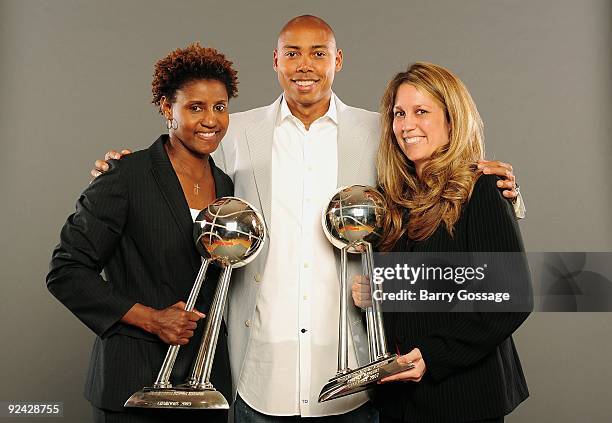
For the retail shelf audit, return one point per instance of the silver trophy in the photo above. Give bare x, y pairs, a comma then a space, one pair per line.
229, 233
352, 222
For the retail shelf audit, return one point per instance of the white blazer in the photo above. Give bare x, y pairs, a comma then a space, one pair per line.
246, 155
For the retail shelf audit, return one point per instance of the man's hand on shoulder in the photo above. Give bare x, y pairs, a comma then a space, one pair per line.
508, 185
503, 170
101, 166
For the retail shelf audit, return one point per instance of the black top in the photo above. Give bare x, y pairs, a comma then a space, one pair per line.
473, 370
134, 222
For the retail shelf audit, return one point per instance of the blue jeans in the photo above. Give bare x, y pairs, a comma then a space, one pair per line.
245, 414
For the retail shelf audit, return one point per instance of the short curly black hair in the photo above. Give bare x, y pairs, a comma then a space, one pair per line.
188, 64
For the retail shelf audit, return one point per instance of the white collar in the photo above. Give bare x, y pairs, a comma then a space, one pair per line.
332, 111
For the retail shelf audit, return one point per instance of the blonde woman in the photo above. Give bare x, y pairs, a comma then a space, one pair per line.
467, 368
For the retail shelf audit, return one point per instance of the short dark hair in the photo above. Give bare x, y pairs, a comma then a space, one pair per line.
188, 64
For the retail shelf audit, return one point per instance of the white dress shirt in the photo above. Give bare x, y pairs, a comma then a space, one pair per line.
294, 340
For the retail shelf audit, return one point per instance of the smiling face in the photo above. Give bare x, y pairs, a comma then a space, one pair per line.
419, 124
201, 115
306, 60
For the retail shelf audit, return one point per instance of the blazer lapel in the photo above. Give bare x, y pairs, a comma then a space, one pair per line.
172, 192
259, 142
350, 145
222, 187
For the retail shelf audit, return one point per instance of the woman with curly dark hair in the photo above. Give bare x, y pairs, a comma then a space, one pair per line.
135, 223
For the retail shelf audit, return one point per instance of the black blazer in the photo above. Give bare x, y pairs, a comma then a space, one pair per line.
473, 369
134, 222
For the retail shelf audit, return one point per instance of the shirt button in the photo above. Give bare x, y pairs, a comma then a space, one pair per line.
257, 277
303, 331
247, 323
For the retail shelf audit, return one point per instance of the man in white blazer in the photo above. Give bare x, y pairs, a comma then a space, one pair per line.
287, 159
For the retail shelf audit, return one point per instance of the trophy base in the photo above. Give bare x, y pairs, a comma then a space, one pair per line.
362, 378
178, 398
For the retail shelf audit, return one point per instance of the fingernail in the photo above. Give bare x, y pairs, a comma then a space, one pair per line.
500, 184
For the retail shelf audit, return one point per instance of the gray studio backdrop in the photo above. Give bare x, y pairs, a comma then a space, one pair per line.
75, 81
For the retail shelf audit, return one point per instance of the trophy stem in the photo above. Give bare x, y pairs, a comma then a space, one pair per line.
343, 326
379, 331
372, 344
202, 366
163, 377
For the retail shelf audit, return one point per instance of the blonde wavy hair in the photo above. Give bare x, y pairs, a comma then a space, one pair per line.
448, 178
